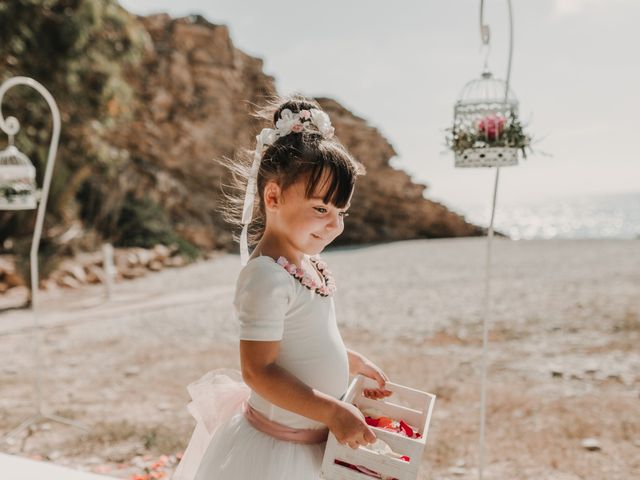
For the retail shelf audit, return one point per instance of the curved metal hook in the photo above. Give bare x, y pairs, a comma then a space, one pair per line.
485, 36
508, 79
485, 31
11, 126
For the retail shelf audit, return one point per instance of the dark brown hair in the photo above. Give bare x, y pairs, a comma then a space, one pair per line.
323, 163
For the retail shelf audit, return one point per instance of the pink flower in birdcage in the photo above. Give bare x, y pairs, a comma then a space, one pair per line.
306, 114
491, 126
297, 128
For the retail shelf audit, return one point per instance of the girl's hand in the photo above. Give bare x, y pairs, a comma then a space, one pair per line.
371, 370
349, 426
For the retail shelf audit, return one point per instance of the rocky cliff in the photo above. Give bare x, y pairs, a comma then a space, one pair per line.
148, 104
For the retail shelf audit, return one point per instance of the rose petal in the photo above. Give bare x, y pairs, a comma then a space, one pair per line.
407, 429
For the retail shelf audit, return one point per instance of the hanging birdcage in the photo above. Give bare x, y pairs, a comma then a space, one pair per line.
486, 130
17, 180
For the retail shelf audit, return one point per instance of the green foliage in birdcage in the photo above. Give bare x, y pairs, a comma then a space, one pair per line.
15, 190
492, 131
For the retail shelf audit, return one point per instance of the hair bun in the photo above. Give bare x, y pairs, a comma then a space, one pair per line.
294, 105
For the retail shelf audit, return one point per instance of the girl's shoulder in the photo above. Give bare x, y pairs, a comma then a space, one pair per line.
263, 263
264, 294
263, 286
264, 271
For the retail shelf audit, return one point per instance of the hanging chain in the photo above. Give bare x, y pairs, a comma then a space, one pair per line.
485, 36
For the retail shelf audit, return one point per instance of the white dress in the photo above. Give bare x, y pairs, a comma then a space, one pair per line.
271, 304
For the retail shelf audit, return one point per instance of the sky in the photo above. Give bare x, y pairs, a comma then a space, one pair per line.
401, 65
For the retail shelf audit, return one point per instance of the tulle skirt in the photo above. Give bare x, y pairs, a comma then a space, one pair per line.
240, 452
225, 446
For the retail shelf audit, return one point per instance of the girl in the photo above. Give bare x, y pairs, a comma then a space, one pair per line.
271, 421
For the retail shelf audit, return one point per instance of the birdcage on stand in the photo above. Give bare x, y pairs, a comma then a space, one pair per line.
18, 191
486, 129
17, 180
487, 132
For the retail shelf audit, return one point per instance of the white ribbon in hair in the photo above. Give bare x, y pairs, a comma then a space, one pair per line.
287, 123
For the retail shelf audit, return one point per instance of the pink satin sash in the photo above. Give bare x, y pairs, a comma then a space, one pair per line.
282, 432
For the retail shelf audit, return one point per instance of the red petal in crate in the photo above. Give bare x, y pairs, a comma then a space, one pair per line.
384, 422
372, 421
368, 471
359, 468
405, 458
407, 429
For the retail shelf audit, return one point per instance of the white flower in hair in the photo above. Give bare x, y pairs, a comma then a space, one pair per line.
286, 122
321, 120
295, 122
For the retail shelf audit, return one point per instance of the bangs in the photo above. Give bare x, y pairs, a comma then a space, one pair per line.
332, 176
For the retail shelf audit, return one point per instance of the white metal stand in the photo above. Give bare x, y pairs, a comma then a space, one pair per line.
485, 35
11, 126
485, 329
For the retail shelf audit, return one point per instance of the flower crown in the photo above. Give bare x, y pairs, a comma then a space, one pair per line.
297, 122
311, 120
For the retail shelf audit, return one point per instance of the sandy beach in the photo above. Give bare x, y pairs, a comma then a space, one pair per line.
564, 356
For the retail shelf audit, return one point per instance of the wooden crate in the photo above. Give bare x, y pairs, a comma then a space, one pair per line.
412, 406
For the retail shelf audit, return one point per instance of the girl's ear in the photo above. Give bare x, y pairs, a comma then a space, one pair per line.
272, 196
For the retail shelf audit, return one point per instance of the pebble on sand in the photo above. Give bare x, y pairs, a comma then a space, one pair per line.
591, 444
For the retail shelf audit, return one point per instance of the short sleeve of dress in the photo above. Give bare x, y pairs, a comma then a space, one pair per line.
262, 297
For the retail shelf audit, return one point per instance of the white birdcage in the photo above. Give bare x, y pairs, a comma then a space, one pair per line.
17, 181
486, 131
412, 406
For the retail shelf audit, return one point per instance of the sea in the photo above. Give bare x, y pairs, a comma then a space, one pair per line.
606, 216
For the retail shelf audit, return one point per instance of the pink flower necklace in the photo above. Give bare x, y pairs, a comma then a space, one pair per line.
325, 290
